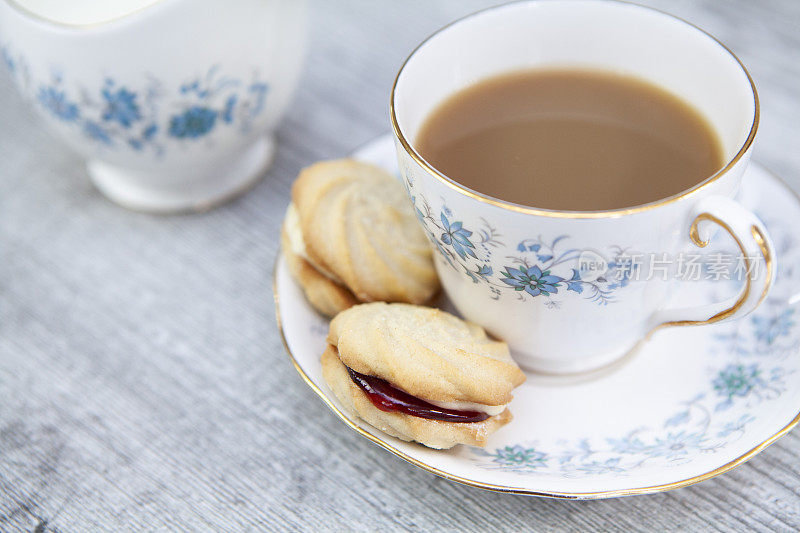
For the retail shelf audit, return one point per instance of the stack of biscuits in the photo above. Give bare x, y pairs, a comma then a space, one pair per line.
350, 236
352, 242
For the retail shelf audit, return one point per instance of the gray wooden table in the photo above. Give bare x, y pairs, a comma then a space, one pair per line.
143, 383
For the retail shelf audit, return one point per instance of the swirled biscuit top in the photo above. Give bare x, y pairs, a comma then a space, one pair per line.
360, 229
426, 352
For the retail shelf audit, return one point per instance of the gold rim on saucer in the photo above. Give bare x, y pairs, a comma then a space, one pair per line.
650, 489
513, 490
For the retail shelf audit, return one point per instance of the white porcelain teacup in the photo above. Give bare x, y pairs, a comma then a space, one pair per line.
525, 273
172, 103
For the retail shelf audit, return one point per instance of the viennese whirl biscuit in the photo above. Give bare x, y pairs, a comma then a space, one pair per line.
325, 295
420, 374
350, 236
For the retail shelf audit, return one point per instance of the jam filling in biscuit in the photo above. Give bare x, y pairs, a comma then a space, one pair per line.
388, 398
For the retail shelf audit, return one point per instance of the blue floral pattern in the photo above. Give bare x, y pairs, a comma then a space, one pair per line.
56, 102
457, 236
769, 329
194, 122
532, 280
737, 380
699, 424
518, 458
121, 105
757, 355
95, 131
537, 268
117, 115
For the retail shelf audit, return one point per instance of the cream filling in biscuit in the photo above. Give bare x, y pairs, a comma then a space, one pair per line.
298, 244
295, 234
491, 410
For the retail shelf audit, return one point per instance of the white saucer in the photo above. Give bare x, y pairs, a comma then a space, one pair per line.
690, 404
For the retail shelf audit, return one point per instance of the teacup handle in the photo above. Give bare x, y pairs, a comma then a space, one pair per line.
757, 252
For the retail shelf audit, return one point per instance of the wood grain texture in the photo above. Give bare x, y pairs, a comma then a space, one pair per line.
143, 384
